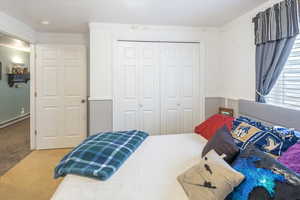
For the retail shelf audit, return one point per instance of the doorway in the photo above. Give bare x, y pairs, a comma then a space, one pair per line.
14, 101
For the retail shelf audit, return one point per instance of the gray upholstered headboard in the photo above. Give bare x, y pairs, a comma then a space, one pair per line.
270, 115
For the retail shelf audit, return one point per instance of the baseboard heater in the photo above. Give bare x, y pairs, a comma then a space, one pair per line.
14, 120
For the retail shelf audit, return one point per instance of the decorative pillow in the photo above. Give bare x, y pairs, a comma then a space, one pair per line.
266, 178
291, 158
290, 135
283, 130
270, 142
209, 127
297, 133
223, 143
212, 178
252, 122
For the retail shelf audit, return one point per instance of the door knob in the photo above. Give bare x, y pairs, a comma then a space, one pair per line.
82, 101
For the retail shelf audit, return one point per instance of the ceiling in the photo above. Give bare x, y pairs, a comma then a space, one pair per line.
72, 16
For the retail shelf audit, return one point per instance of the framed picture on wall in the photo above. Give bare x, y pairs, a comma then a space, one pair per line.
226, 111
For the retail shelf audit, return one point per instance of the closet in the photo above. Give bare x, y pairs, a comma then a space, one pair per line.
157, 87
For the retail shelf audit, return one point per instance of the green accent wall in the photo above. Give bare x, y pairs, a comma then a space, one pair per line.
12, 99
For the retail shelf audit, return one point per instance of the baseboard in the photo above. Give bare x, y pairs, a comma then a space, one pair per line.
14, 120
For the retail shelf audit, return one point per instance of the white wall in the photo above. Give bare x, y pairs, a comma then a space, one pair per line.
62, 38
13, 27
238, 56
101, 42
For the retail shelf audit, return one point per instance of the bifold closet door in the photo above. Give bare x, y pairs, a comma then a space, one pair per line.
136, 90
180, 87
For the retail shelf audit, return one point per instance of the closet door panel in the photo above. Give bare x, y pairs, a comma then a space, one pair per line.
189, 88
127, 96
180, 87
170, 94
149, 88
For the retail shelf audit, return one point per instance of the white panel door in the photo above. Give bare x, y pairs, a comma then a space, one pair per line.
126, 88
61, 96
180, 96
171, 81
136, 90
149, 93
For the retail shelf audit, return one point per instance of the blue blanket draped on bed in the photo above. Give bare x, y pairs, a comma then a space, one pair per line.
101, 155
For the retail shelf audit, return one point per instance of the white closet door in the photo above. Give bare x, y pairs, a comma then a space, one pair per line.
157, 87
180, 96
149, 88
61, 96
127, 89
137, 89
170, 85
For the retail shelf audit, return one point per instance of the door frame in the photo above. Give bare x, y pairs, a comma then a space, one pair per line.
115, 64
32, 96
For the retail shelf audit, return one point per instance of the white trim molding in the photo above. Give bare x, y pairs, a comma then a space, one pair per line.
14, 120
32, 97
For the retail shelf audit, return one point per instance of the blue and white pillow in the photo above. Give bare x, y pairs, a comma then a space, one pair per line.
252, 122
273, 141
297, 133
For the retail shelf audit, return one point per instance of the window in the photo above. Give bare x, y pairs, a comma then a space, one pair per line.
286, 91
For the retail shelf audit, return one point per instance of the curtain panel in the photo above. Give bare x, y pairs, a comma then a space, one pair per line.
275, 32
270, 60
278, 22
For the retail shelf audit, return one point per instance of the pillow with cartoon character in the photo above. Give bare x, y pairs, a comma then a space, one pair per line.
266, 140
211, 179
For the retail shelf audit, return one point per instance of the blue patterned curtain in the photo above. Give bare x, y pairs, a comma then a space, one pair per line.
275, 32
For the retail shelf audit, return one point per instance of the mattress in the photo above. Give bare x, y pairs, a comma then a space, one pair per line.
149, 174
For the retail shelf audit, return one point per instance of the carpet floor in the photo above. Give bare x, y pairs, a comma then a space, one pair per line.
14, 144
32, 178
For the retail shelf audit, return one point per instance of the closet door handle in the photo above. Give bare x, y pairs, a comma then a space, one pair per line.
141, 105
178, 104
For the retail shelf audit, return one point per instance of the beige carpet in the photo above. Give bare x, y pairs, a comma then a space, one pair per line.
32, 178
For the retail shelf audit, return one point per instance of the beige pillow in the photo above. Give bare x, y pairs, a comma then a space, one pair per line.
211, 179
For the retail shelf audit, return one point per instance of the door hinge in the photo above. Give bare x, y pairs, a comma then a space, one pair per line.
35, 94
35, 132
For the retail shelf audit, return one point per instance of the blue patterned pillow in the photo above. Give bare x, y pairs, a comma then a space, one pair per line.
266, 179
270, 140
297, 133
252, 122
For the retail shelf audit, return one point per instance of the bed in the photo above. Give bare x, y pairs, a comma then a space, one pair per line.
150, 173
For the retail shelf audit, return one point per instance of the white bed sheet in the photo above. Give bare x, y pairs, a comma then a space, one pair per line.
149, 174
